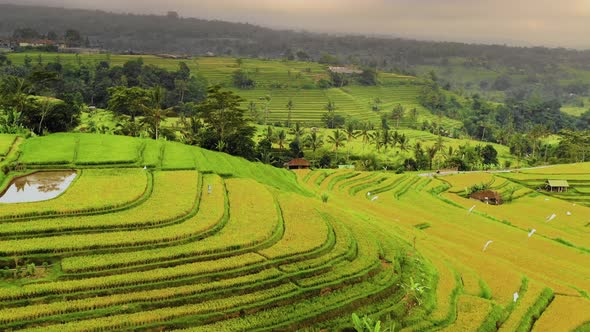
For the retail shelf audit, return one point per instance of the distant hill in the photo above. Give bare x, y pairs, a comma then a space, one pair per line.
495, 71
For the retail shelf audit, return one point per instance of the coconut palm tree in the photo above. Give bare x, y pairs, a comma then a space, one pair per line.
337, 139
351, 134
290, 106
375, 138
440, 144
313, 141
268, 134
385, 138
431, 151
281, 139
365, 134
154, 114
253, 111
298, 131
403, 142
397, 114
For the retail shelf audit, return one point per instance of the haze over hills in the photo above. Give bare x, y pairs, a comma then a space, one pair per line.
520, 23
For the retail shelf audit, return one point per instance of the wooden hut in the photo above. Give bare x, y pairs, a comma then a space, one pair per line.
557, 185
487, 196
298, 163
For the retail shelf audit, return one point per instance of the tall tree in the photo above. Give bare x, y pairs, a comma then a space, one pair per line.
290, 106
281, 139
222, 113
397, 113
337, 140
154, 114
351, 134
128, 101
314, 142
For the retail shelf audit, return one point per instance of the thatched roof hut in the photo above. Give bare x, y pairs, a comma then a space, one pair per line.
487, 196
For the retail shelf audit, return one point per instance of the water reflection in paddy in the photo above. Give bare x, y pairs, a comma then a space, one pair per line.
39, 186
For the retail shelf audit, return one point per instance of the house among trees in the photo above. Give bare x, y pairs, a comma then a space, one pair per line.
556, 185
487, 196
36, 43
298, 163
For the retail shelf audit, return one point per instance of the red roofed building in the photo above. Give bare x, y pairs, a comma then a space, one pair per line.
298, 163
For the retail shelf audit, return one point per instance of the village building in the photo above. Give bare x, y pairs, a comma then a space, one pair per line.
556, 185
36, 43
298, 163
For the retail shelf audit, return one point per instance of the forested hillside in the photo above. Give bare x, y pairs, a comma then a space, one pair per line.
496, 71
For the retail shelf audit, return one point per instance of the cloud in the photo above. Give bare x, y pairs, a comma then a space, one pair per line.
526, 22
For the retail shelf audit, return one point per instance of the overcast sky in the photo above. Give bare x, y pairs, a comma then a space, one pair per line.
517, 22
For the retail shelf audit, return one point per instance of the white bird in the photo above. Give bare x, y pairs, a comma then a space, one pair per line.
574, 204
551, 217
487, 244
144, 167
369, 193
471, 210
515, 296
568, 213
546, 199
374, 198
532, 232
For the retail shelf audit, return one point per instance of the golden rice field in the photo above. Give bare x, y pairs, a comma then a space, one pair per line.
201, 241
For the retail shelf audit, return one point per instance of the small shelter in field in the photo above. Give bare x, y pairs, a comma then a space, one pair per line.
557, 185
298, 163
487, 196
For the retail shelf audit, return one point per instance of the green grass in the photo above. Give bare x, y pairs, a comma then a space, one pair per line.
51, 150
107, 149
6, 141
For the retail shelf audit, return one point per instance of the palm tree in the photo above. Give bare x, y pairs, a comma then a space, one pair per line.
266, 108
350, 135
440, 144
16, 93
394, 139
375, 138
281, 139
253, 110
365, 134
313, 141
298, 131
154, 115
337, 139
403, 142
431, 151
330, 106
289, 107
397, 114
385, 138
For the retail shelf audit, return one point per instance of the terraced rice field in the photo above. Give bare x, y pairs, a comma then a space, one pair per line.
177, 246
284, 80
201, 241
474, 289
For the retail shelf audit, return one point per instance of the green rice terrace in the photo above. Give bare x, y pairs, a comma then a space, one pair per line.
277, 82
155, 235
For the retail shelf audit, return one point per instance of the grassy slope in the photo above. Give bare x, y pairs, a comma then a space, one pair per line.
79, 150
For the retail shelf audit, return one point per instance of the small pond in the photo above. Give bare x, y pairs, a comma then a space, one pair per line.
39, 186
